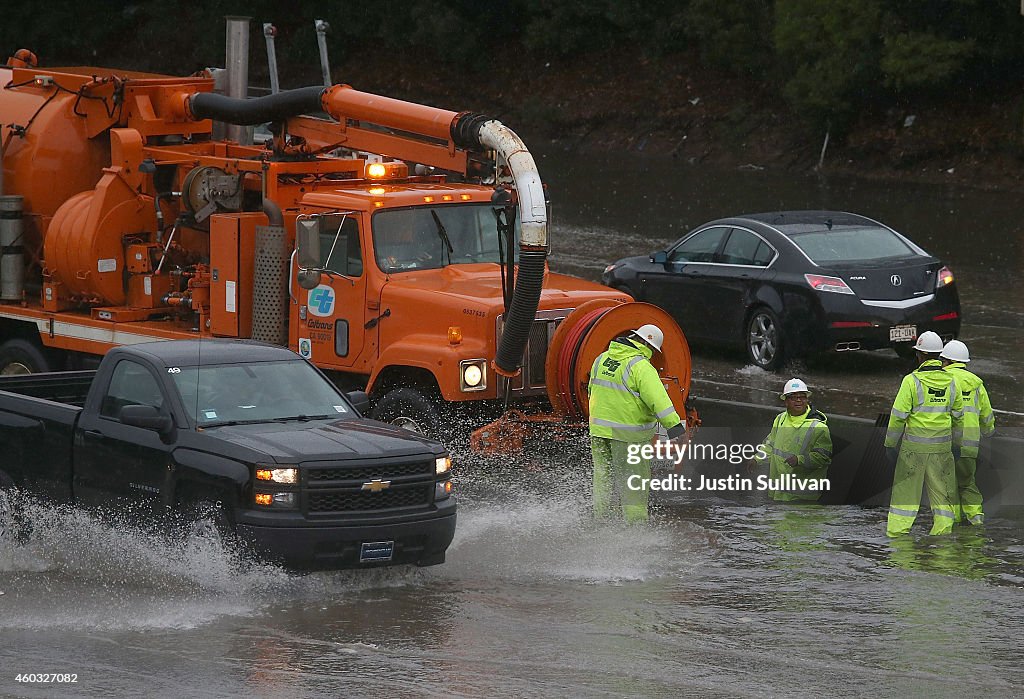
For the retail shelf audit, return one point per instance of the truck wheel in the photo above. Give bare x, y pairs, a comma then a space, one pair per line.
210, 520
409, 409
19, 356
764, 341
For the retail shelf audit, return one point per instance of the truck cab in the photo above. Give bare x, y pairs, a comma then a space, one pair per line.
411, 292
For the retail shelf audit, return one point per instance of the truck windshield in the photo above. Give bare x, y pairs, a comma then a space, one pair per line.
258, 392
426, 237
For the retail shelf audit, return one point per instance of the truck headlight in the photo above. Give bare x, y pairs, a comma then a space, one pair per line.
442, 465
282, 500
473, 374
442, 490
288, 475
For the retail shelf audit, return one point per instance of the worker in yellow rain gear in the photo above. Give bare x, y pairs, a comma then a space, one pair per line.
928, 415
627, 401
799, 444
978, 421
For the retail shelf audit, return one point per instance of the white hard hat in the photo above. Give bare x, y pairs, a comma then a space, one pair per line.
794, 385
929, 342
956, 351
652, 335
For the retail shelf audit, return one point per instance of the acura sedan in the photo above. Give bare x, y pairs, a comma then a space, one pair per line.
792, 283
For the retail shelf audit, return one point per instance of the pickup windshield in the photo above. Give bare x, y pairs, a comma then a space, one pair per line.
258, 392
425, 237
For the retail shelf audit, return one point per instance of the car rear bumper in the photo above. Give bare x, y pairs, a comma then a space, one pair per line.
941, 315
420, 539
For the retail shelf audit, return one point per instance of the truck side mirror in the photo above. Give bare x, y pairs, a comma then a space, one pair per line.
307, 244
660, 257
307, 241
309, 278
359, 400
146, 417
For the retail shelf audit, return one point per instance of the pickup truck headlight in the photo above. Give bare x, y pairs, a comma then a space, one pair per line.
442, 490
288, 475
282, 500
442, 465
473, 375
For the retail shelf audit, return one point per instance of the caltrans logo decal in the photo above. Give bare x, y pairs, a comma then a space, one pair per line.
321, 301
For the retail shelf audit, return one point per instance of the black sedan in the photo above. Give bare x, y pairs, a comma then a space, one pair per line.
792, 283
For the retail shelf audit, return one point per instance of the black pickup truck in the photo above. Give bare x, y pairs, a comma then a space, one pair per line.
251, 432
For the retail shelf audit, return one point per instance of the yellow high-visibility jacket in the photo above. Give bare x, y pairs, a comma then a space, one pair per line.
627, 398
978, 417
927, 412
805, 436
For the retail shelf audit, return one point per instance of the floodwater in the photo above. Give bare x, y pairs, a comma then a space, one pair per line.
722, 595
643, 204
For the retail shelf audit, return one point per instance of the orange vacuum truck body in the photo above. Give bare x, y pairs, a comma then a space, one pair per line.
401, 248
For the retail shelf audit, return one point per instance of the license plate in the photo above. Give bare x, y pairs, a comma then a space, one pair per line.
375, 551
903, 333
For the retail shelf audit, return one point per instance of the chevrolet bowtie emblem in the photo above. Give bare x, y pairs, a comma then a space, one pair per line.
376, 485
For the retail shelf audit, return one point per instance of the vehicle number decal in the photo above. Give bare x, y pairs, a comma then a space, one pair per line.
173, 370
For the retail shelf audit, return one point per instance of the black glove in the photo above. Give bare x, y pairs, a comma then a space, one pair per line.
891, 453
956, 452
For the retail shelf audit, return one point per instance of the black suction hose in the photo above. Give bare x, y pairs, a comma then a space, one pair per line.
466, 134
524, 307
247, 112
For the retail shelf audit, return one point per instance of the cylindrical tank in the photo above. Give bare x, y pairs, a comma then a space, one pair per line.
53, 158
12, 249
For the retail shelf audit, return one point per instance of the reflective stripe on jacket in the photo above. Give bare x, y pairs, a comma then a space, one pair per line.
927, 412
978, 417
805, 436
627, 398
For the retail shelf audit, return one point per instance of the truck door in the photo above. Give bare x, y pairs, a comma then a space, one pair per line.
331, 331
117, 464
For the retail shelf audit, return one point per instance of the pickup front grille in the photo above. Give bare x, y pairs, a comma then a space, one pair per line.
365, 473
354, 500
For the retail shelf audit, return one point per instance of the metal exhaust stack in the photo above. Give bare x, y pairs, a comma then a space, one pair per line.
269, 32
321, 40
237, 63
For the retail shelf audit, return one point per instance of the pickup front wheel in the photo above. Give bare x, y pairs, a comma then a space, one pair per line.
210, 520
409, 409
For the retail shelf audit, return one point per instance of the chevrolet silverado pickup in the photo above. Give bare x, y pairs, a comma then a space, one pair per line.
291, 469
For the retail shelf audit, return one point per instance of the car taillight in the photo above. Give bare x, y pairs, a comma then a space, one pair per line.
952, 315
850, 324
944, 278
834, 285
610, 267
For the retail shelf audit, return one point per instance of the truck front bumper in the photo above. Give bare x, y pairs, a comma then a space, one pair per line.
420, 539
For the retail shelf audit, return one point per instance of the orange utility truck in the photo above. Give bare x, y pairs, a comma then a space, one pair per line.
400, 247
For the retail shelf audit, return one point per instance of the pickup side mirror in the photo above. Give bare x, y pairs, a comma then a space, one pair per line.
146, 417
659, 258
359, 400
